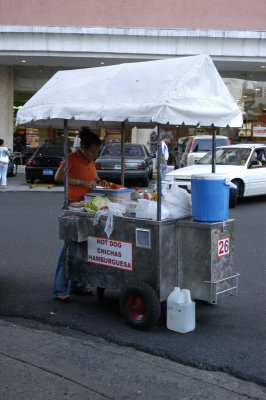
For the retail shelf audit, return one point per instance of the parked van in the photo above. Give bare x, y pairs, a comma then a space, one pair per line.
195, 147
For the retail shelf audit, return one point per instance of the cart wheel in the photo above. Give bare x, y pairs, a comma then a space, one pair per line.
100, 292
140, 305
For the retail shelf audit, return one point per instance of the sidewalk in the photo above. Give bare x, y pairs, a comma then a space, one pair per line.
18, 184
41, 364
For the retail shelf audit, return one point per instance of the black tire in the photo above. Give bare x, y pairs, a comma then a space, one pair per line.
233, 198
151, 174
14, 170
140, 305
145, 181
29, 180
235, 194
100, 292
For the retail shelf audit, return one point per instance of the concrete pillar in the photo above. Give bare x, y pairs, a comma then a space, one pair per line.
142, 136
6, 104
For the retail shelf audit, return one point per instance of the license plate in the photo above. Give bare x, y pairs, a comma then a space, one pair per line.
48, 172
131, 165
117, 166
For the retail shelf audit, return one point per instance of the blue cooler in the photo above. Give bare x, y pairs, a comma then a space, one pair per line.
210, 197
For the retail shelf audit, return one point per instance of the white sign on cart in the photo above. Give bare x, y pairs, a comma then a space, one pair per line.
111, 253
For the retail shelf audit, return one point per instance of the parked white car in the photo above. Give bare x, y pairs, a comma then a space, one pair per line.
237, 162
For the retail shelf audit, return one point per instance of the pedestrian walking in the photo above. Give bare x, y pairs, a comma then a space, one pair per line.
165, 155
4, 159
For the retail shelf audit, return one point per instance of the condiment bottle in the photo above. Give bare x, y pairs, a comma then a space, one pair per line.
135, 194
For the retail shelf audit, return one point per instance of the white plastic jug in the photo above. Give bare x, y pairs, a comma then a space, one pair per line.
180, 311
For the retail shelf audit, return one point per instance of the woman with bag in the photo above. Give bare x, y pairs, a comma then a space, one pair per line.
4, 160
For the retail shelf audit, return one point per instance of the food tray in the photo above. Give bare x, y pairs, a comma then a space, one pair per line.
111, 191
115, 195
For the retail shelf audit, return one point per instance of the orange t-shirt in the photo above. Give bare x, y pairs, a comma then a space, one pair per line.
79, 168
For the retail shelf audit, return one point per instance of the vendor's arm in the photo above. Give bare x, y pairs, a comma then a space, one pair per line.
59, 178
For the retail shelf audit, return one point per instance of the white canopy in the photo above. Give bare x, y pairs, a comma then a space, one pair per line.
177, 91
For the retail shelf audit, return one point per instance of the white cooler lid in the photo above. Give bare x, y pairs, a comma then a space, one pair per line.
209, 176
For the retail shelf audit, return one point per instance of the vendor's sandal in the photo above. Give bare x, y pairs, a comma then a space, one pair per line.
63, 297
83, 292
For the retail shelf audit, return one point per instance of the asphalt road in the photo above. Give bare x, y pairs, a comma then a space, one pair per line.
229, 336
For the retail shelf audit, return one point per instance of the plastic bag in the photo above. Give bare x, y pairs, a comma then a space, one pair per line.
148, 210
113, 209
118, 208
109, 224
177, 201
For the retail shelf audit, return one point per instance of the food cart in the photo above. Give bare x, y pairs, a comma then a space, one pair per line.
142, 259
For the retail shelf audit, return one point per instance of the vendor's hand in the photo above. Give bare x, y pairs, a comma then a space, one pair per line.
105, 184
91, 184
102, 183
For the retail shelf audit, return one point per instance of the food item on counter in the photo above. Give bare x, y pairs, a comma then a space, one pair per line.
155, 197
114, 186
135, 194
95, 204
77, 204
146, 195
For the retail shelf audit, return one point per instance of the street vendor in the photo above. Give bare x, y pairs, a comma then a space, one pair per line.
82, 178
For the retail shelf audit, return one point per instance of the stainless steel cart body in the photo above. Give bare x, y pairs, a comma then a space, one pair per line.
152, 247
163, 254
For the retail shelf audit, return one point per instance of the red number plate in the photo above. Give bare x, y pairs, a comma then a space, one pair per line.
223, 248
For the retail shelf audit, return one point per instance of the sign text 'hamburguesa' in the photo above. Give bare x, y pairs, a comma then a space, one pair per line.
110, 252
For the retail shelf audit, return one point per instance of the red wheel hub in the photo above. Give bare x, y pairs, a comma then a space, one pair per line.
136, 307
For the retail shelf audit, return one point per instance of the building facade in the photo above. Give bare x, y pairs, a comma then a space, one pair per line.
39, 38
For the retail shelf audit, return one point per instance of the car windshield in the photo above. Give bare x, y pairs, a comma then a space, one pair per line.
227, 156
201, 145
49, 150
129, 151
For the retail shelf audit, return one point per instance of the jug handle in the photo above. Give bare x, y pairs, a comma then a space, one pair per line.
187, 295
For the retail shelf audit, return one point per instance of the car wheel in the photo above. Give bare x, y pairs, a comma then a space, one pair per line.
14, 169
140, 305
235, 194
145, 181
29, 180
233, 198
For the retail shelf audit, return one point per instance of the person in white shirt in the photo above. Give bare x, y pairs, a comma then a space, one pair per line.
76, 143
165, 154
4, 159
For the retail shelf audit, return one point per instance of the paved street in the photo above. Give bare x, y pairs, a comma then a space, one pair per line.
229, 337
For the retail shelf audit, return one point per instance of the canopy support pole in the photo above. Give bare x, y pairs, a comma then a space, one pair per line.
159, 162
213, 148
66, 164
122, 154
